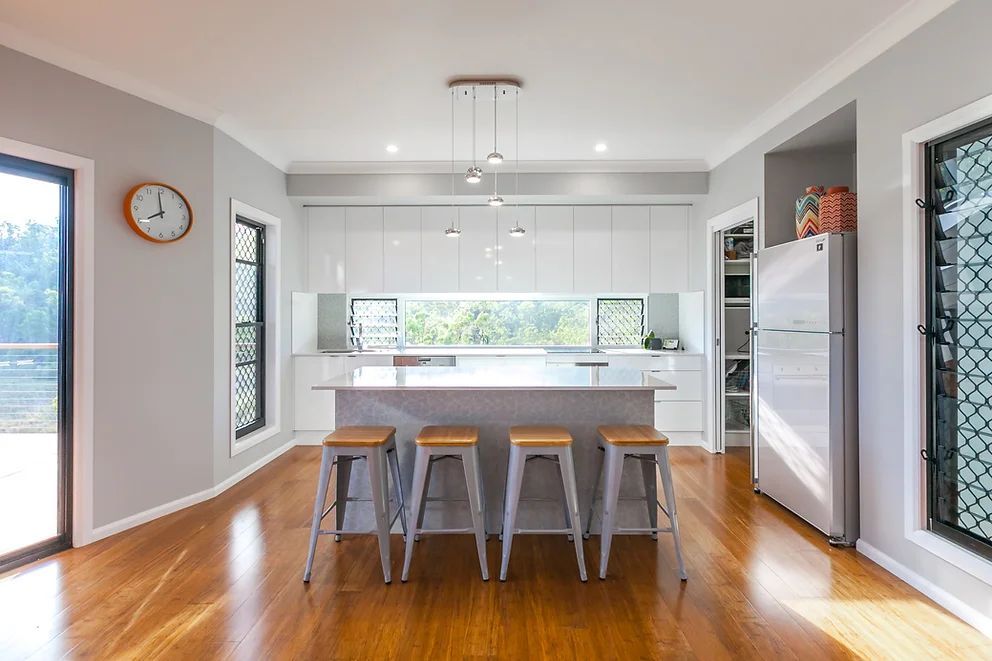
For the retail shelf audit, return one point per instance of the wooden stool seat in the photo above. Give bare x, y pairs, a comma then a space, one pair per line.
444, 435
632, 435
359, 436
529, 435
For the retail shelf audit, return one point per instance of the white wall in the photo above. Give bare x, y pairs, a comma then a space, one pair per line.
940, 67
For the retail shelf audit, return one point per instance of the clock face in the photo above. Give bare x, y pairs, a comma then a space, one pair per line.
158, 212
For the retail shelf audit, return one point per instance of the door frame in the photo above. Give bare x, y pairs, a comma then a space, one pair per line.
714, 383
81, 523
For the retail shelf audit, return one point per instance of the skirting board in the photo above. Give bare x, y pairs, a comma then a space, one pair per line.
184, 502
966, 612
311, 437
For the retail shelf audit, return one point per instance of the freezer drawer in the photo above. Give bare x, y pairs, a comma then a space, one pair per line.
800, 429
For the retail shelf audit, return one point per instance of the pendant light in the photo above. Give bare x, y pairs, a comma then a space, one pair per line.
474, 174
516, 231
453, 232
494, 156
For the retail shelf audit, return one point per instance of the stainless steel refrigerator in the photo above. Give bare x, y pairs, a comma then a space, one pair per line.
805, 440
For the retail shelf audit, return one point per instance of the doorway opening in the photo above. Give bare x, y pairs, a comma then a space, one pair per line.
36, 239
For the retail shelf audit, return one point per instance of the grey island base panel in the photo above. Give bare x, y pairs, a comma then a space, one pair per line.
494, 412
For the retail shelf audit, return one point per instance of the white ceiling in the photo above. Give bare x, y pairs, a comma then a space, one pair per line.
330, 80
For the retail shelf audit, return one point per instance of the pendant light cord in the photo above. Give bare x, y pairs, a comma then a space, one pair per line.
452, 158
516, 154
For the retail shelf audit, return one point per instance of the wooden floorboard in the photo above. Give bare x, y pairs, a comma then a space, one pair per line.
222, 580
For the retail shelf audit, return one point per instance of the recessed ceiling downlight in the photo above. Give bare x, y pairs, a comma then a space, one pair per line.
392, 149
600, 147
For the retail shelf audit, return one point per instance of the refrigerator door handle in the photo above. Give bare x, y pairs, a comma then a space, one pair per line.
754, 371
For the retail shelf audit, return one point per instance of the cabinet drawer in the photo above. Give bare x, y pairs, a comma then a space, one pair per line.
678, 416
689, 386
657, 362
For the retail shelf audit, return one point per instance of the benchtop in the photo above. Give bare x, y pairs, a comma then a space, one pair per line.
495, 378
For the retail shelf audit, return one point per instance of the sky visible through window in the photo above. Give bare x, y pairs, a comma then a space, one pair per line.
23, 200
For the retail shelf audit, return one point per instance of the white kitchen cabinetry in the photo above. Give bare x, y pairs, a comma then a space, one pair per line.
438, 253
314, 409
364, 244
631, 249
515, 254
593, 249
669, 249
401, 249
554, 249
677, 413
477, 252
326, 250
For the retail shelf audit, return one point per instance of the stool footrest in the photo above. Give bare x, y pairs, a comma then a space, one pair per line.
543, 531
444, 531
445, 500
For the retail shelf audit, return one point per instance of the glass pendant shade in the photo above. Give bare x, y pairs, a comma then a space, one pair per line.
452, 232
473, 175
495, 158
495, 201
517, 230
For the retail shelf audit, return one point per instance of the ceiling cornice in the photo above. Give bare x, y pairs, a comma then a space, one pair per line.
526, 167
878, 40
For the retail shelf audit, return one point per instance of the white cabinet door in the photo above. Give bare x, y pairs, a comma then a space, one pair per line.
593, 250
439, 253
314, 409
554, 249
326, 250
401, 249
515, 260
669, 249
477, 252
364, 243
631, 249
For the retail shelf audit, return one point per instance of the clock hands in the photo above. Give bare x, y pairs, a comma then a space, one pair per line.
160, 202
161, 211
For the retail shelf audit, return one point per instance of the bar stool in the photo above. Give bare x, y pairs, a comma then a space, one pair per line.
436, 443
376, 445
650, 446
540, 442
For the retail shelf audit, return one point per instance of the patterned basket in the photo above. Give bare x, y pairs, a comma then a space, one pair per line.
839, 210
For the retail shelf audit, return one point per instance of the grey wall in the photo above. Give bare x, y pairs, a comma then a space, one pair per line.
240, 174
909, 85
154, 306
161, 311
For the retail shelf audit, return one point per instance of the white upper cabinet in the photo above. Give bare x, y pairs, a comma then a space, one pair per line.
401, 249
439, 253
326, 250
631, 249
593, 250
477, 252
669, 249
364, 243
515, 254
553, 249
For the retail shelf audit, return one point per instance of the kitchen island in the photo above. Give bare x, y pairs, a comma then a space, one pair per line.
494, 399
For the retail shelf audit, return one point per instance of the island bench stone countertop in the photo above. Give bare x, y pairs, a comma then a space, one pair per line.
495, 378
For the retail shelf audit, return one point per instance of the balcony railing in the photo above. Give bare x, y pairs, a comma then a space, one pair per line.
29, 379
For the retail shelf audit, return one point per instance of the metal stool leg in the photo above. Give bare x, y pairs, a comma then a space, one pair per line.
418, 495
567, 467
669, 487
380, 502
595, 488
343, 479
514, 477
423, 502
473, 481
649, 474
326, 458
392, 456
564, 502
613, 466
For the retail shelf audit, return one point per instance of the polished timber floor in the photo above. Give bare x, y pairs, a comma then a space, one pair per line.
222, 580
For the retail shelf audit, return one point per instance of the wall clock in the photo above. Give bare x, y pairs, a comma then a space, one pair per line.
158, 212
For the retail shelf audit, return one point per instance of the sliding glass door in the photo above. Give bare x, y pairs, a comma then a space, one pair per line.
36, 219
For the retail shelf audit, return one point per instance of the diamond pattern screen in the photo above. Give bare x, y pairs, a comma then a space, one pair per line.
959, 449
249, 327
375, 321
620, 321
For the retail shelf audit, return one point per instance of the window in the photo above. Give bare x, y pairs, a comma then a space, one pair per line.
620, 321
375, 322
249, 326
522, 322
959, 333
